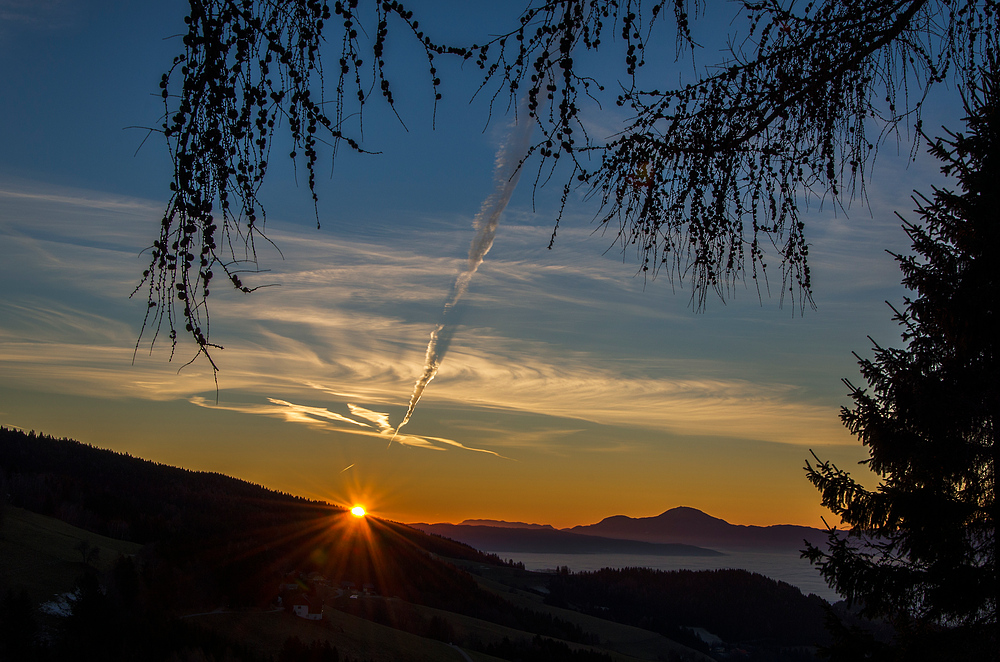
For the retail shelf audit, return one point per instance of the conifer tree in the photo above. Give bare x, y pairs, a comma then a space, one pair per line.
922, 546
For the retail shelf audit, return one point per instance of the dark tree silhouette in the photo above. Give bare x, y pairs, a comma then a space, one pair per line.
922, 550
703, 181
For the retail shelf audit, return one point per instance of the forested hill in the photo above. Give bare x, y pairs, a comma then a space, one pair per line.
121, 496
118, 495
736, 605
211, 540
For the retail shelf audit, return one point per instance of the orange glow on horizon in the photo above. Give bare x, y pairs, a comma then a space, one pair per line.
358, 511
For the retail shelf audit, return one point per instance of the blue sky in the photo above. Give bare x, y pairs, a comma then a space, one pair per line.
573, 390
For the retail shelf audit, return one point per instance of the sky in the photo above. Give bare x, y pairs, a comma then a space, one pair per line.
573, 389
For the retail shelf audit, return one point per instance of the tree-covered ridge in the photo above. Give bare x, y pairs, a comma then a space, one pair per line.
239, 535
232, 543
738, 606
121, 496
217, 540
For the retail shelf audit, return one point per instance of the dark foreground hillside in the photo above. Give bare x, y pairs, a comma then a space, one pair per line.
234, 537
210, 568
758, 611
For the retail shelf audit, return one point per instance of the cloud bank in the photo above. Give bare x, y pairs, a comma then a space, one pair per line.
349, 322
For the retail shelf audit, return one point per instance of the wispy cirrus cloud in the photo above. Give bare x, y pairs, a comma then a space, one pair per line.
48, 14
76, 199
305, 414
380, 419
516, 378
350, 323
321, 418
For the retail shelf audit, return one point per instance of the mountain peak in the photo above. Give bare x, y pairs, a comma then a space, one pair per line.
688, 525
688, 514
681, 515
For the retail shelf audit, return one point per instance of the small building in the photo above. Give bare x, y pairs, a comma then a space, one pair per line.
307, 607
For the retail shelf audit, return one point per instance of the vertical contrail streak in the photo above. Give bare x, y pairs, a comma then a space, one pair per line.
505, 175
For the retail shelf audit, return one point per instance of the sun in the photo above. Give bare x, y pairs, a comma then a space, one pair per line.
358, 511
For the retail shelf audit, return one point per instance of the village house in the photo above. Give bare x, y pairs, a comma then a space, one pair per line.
307, 607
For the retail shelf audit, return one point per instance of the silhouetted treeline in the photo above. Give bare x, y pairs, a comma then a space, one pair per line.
213, 540
120, 496
210, 540
216, 539
740, 607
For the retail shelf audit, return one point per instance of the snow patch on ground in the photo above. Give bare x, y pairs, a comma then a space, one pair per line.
62, 605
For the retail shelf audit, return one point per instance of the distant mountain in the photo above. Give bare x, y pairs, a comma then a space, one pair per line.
691, 526
505, 525
552, 541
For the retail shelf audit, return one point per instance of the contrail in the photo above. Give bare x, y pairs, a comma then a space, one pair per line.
506, 172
